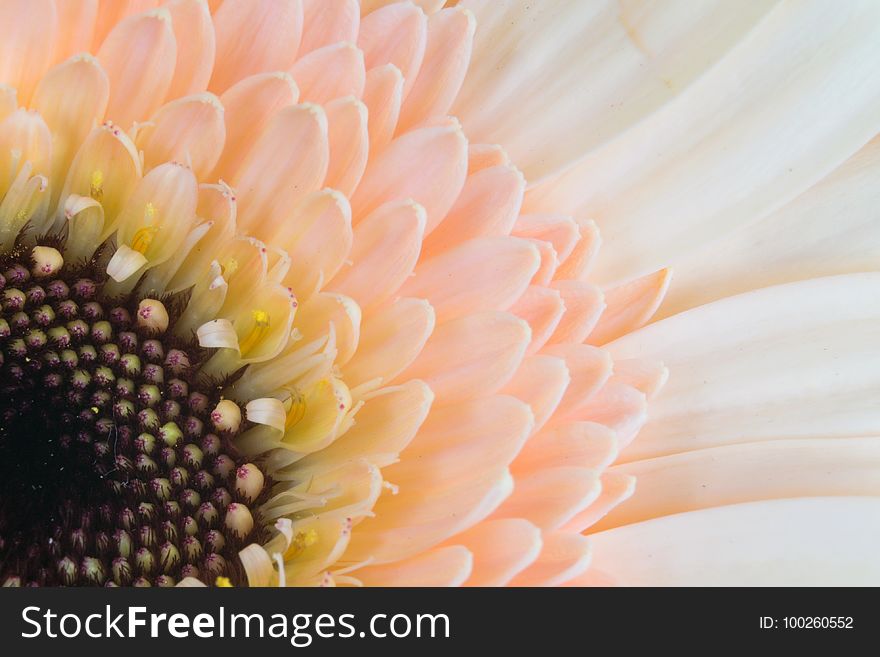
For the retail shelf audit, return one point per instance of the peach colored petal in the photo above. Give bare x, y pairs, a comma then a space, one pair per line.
584, 305
560, 230
428, 165
382, 95
542, 308
318, 238
540, 382
578, 263
549, 263
78, 18
578, 444
111, 152
421, 517
619, 407
550, 498
447, 566
112, 12
447, 54
27, 34
24, 137
139, 55
616, 489
460, 442
488, 273
484, 156
328, 21
564, 556
196, 46
501, 549
630, 306
395, 34
7, 100
488, 205
254, 38
589, 367
385, 425
326, 311
249, 105
391, 339
471, 357
287, 162
188, 130
71, 97
384, 251
646, 375
349, 143
348, 78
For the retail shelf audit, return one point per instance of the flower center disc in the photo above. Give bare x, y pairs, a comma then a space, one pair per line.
115, 468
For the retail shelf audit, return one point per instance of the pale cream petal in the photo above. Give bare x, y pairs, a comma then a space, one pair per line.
488, 273
829, 229
428, 165
327, 311
800, 122
501, 549
471, 357
789, 361
348, 78
813, 541
254, 38
391, 338
778, 468
188, 130
550, 498
249, 104
484, 156
447, 566
630, 306
8, 101
488, 205
382, 95
28, 30
395, 34
579, 74
349, 141
138, 55
328, 21
563, 557
442, 72
196, 45
384, 251
24, 138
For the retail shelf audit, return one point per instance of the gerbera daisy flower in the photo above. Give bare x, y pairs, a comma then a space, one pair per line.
279, 306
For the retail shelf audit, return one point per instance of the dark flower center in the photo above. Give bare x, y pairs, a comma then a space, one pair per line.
112, 468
